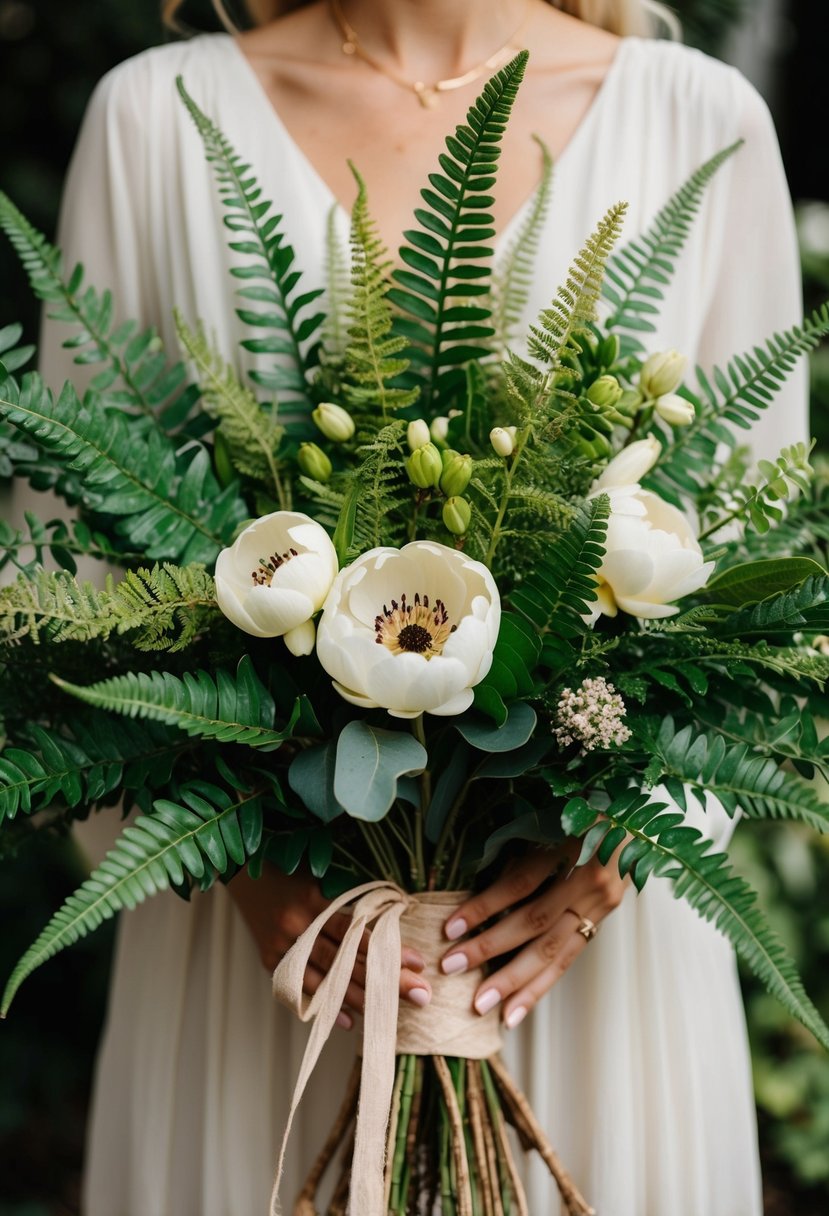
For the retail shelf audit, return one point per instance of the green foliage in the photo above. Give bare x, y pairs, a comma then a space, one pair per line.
538, 391
379, 493
206, 830
250, 432
735, 774
83, 763
640, 270
803, 608
60, 540
562, 587
513, 279
372, 354
369, 762
270, 277
169, 503
137, 373
662, 845
165, 608
446, 255
224, 707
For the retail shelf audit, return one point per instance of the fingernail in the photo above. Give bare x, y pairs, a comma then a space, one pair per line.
515, 1017
456, 928
453, 964
487, 1000
419, 996
345, 1020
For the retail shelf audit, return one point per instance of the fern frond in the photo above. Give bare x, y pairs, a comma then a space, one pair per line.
372, 354
661, 844
271, 275
83, 764
170, 504
802, 609
382, 492
640, 270
12, 356
137, 373
251, 433
61, 539
735, 774
562, 586
207, 829
228, 708
512, 280
446, 255
165, 608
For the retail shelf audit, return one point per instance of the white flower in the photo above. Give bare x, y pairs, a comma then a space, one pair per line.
593, 716
675, 410
276, 576
502, 439
417, 434
631, 464
410, 629
652, 556
439, 429
662, 373
335, 423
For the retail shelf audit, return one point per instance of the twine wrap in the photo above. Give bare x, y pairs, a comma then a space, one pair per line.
447, 1026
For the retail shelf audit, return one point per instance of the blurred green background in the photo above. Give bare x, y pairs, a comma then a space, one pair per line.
51, 54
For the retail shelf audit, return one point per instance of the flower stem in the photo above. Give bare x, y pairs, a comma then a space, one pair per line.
419, 875
505, 496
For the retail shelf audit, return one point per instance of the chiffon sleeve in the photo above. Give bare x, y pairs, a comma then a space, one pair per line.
756, 283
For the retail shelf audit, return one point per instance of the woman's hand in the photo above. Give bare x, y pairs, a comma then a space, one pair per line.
278, 908
543, 927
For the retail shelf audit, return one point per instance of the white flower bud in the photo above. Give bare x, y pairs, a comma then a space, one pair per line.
439, 429
502, 441
631, 465
335, 423
417, 434
662, 373
674, 410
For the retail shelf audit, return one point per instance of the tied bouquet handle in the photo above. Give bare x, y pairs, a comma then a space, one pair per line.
448, 1026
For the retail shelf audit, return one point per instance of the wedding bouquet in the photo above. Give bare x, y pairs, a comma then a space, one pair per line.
522, 597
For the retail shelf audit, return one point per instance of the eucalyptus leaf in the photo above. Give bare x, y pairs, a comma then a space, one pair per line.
311, 776
368, 764
516, 730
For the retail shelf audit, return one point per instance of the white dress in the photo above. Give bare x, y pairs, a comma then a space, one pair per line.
637, 1062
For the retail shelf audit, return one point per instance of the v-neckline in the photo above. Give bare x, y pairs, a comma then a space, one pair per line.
502, 239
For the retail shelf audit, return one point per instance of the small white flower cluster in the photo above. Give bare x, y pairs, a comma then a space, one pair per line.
592, 716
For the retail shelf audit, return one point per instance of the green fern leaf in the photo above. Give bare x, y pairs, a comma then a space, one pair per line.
271, 278
230, 709
637, 274
372, 354
513, 279
802, 609
137, 372
207, 829
170, 504
662, 845
446, 255
562, 587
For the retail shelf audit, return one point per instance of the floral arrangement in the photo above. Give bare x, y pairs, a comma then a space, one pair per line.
520, 596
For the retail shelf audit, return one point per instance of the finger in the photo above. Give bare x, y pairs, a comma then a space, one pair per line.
336, 929
414, 988
514, 885
521, 983
325, 952
516, 929
354, 995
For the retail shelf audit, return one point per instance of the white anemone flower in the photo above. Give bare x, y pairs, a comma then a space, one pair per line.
410, 630
652, 556
275, 576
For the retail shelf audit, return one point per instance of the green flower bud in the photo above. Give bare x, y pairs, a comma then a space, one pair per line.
456, 515
456, 474
502, 439
425, 467
334, 422
313, 462
417, 434
439, 429
662, 374
674, 410
605, 392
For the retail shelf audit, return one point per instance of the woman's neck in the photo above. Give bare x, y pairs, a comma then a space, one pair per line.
435, 39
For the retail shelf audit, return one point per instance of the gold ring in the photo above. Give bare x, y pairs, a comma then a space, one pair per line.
585, 927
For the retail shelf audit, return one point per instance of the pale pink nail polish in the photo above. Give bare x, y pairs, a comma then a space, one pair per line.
515, 1017
456, 928
419, 996
454, 964
487, 1000
345, 1020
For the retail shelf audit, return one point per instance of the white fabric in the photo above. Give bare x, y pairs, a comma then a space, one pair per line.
637, 1062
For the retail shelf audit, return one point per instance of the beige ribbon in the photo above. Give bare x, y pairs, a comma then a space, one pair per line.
451, 1027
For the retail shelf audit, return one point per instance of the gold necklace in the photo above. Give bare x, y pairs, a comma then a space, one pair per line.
427, 94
